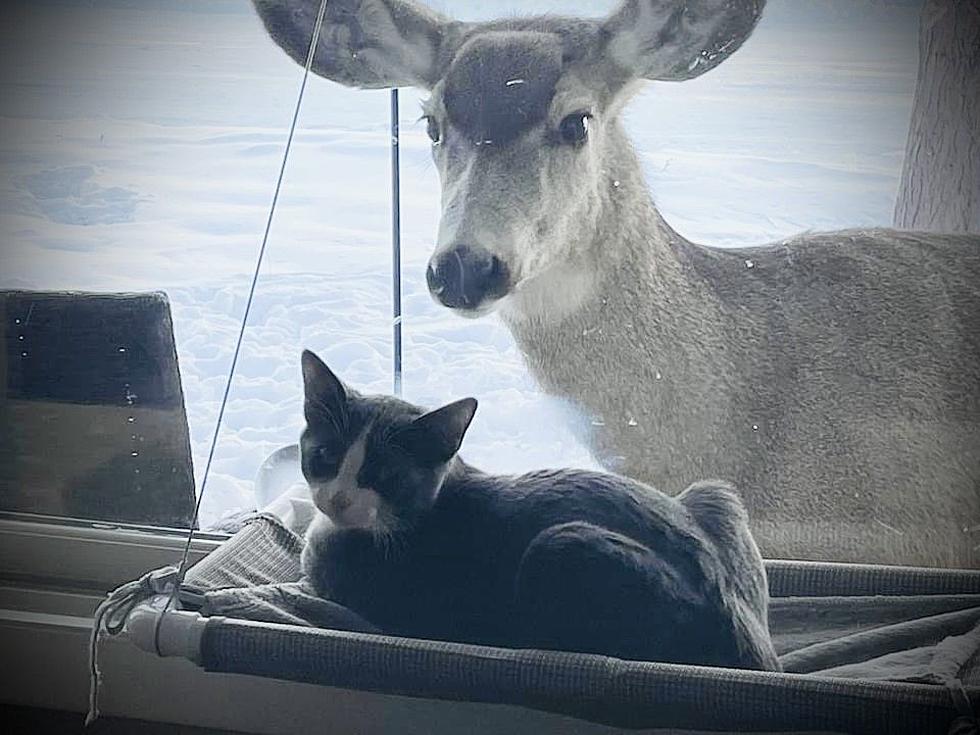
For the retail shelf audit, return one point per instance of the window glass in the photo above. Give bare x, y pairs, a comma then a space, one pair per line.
140, 147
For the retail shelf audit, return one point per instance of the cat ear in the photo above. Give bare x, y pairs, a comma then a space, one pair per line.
439, 433
325, 394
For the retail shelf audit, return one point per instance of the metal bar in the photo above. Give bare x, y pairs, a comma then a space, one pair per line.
396, 248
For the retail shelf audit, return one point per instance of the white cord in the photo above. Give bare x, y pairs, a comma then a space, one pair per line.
169, 579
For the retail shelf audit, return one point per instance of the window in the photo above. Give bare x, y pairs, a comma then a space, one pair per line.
141, 143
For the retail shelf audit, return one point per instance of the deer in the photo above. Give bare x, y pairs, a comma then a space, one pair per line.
833, 378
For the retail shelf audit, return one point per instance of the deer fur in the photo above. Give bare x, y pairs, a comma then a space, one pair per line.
834, 378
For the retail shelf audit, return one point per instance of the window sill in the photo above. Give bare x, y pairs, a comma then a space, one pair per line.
85, 557
53, 574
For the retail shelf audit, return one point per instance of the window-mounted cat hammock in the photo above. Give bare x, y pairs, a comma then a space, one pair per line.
866, 649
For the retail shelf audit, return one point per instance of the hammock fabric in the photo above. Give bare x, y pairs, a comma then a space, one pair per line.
866, 649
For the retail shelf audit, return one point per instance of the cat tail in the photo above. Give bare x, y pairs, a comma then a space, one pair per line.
719, 512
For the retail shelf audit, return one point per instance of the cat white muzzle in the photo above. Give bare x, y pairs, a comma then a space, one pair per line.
348, 508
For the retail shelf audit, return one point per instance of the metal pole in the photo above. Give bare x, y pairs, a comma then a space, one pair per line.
396, 247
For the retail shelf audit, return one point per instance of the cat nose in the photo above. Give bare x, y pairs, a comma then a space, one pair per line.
340, 502
465, 277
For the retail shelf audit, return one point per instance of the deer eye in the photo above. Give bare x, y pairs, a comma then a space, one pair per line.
432, 128
574, 129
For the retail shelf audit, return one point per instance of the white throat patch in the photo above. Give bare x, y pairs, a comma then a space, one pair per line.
550, 296
341, 499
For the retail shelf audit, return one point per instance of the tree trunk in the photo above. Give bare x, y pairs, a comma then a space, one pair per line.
940, 186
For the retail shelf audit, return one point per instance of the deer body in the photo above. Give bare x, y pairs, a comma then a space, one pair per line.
834, 378
848, 417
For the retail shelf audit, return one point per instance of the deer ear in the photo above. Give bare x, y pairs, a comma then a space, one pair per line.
673, 41
371, 44
324, 393
437, 435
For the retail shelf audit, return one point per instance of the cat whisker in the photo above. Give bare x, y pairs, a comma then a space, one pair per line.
387, 533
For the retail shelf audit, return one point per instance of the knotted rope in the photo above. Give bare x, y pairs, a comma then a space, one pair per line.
111, 616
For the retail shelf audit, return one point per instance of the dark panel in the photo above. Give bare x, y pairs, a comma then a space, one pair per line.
92, 420
95, 349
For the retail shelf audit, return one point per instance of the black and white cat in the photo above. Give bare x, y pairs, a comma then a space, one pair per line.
423, 545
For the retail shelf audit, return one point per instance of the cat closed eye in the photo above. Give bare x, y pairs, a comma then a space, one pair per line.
322, 462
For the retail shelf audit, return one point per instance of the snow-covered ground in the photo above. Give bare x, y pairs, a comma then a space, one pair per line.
139, 145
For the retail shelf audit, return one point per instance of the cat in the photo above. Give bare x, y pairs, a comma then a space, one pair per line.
423, 545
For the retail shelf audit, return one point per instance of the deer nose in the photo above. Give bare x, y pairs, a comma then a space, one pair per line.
464, 278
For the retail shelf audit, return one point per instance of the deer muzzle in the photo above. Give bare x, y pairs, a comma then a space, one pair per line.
467, 278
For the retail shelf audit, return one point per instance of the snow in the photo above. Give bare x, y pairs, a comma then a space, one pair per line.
139, 148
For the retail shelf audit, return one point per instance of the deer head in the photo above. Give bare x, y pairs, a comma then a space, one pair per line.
522, 113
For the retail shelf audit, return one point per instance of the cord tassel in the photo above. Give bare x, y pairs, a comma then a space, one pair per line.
110, 617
